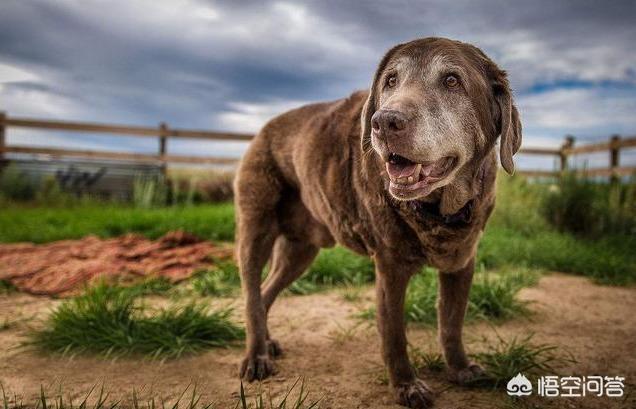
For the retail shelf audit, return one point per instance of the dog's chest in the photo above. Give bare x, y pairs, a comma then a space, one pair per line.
445, 242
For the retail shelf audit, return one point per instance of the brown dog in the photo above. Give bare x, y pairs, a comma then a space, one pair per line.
404, 173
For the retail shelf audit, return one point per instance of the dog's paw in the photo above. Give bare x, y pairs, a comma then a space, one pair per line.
470, 375
415, 395
274, 349
256, 368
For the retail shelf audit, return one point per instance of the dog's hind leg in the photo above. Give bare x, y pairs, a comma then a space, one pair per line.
291, 257
257, 192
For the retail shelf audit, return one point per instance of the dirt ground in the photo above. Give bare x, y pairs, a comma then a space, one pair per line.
339, 356
64, 267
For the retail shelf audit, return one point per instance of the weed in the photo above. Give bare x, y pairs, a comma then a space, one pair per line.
431, 361
6, 287
342, 334
334, 267
352, 293
149, 192
152, 286
492, 296
108, 320
284, 403
505, 359
221, 280
102, 400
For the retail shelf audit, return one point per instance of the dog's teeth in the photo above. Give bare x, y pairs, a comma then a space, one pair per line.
411, 179
418, 168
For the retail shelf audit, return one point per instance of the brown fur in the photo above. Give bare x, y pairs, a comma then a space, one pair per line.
315, 176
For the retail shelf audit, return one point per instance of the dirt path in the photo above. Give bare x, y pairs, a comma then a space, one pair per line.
340, 358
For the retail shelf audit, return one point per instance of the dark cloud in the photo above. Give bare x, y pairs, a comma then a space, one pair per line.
227, 64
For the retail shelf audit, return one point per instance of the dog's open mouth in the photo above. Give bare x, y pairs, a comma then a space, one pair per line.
407, 176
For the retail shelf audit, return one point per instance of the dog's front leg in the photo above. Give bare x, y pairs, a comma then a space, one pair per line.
454, 288
391, 282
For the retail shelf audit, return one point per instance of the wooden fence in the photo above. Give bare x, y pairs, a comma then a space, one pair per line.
163, 132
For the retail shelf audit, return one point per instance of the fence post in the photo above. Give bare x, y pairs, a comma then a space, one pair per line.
567, 144
163, 145
3, 142
615, 154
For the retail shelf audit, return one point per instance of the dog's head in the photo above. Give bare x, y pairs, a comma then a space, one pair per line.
436, 107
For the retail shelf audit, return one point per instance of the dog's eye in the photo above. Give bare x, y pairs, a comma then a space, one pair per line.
391, 81
451, 81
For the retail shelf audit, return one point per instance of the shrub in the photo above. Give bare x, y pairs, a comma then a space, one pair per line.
588, 208
17, 185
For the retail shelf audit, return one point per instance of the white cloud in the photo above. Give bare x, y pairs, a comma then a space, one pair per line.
197, 63
26, 101
250, 117
12, 73
578, 109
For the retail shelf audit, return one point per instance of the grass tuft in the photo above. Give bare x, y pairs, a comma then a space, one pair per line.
110, 321
286, 402
6, 287
505, 359
431, 361
493, 296
221, 280
334, 267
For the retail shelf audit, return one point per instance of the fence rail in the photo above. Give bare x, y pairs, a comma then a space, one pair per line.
163, 132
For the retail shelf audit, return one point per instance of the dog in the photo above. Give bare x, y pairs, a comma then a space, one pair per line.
404, 173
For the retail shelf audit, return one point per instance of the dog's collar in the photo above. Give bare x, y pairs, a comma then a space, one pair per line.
430, 211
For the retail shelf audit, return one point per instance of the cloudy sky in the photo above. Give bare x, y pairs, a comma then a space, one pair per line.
231, 65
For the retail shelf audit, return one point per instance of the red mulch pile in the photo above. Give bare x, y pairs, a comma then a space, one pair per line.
59, 268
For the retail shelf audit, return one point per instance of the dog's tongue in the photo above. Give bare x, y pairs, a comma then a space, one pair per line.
397, 171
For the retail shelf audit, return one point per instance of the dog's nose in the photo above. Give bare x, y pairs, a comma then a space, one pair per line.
387, 123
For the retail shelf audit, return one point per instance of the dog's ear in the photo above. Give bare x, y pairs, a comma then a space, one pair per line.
508, 123
370, 105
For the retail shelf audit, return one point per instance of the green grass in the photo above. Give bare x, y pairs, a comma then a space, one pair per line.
46, 224
609, 260
110, 320
334, 267
6, 287
221, 280
519, 233
431, 361
493, 296
504, 359
102, 400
